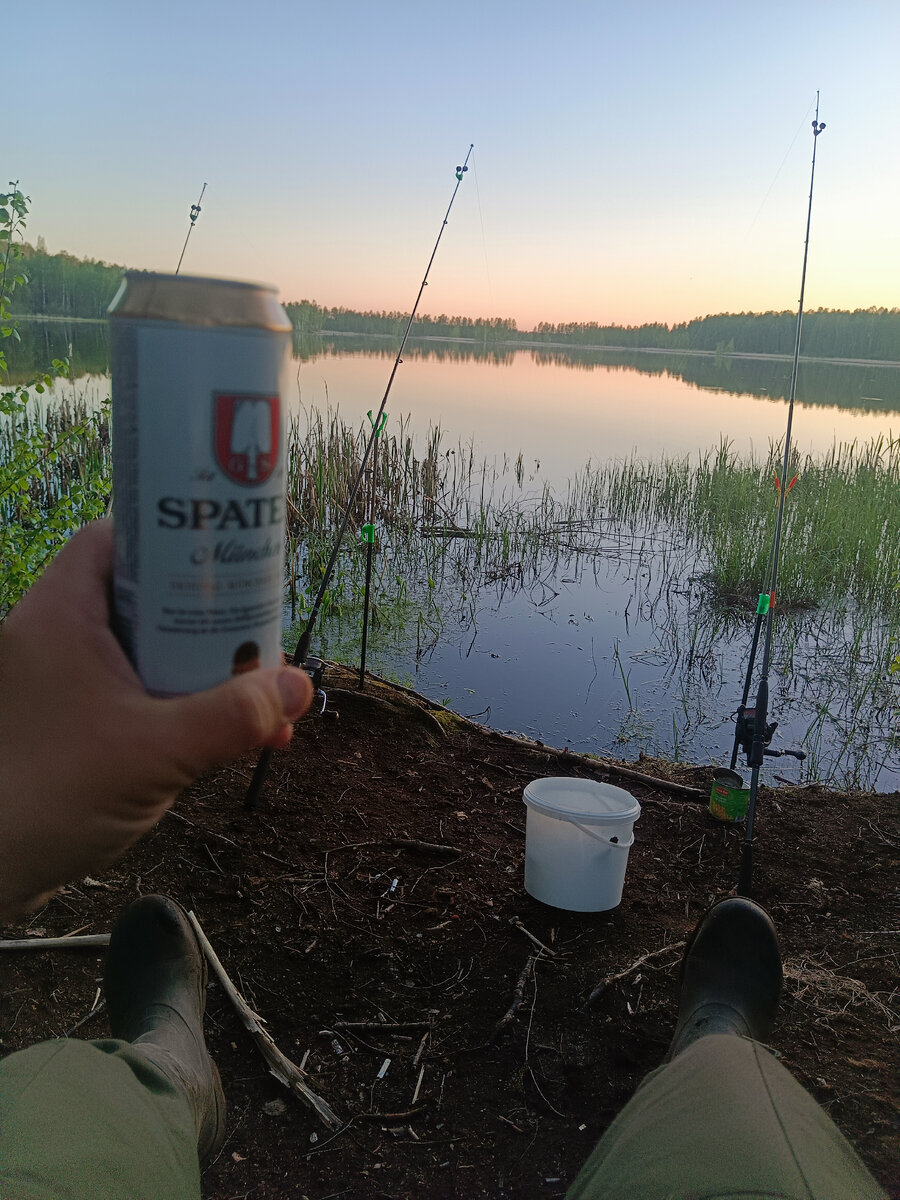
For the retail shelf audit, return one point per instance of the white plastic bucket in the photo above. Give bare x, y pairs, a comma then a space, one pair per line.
577, 837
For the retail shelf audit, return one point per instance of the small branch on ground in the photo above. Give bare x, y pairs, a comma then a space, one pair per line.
57, 943
402, 843
383, 1026
98, 1007
607, 983
421, 1050
391, 1117
518, 998
280, 1065
534, 941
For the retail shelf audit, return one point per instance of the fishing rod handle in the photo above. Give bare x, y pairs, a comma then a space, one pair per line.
254, 791
745, 878
758, 747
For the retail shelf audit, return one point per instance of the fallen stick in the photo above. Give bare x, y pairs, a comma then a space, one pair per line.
73, 942
280, 1065
598, 764
607, 983
385, 1026
403, 843
613, 768
667, 785
518, 998
540, 945
99, 1006
390, 1117
421, 1050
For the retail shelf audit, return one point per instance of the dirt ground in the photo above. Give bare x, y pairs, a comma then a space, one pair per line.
501, 1075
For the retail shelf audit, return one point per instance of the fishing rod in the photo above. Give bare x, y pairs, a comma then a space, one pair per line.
753, 731
302, 649
194, 214
368, 531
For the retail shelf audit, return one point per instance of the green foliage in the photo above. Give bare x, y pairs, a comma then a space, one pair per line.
66, 286
54, 462
13, 209
841, 539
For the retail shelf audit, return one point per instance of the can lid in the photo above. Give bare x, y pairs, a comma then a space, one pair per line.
728, 778
193, 300
581, 800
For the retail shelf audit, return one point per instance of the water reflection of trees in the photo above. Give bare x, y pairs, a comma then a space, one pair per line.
830, 385
86, 344
862, 389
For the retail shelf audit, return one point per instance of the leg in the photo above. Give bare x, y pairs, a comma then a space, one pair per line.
133, 1116
724, 1118
94, 1121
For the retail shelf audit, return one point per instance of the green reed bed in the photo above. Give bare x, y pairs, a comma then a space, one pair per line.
840, 546
841, 538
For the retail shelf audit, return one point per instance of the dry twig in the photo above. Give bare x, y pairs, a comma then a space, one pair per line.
607, 983
57, 943
402, 843
534, 941
383, 1026
280, 1066
518, 998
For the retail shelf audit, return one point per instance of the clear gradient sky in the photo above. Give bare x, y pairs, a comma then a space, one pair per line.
634, 161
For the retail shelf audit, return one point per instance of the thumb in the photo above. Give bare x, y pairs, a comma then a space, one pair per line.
253, 709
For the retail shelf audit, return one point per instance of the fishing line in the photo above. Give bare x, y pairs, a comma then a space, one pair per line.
778, 172
754, 732
302, 649
487, 269
194, 214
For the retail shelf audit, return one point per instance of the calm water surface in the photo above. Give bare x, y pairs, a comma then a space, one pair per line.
596, 657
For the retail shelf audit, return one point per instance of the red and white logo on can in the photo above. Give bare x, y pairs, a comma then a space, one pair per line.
246, 432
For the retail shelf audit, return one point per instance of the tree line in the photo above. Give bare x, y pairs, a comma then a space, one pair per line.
827, 333
63, 285
308, 317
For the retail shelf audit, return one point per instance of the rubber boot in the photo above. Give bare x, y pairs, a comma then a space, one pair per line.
155, 984
730, 975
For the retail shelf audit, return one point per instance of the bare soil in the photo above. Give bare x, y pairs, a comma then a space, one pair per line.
324, 910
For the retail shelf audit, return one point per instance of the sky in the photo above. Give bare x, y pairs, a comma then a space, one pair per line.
633, 161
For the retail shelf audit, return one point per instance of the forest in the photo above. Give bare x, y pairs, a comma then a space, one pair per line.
65, 286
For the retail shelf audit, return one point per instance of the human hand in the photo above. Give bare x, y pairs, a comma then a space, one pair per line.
89, 761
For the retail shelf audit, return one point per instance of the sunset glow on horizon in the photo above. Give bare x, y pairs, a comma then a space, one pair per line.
630, 165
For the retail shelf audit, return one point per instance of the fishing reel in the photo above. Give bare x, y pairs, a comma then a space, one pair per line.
745, 732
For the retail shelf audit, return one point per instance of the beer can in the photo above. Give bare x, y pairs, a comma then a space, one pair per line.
198, 477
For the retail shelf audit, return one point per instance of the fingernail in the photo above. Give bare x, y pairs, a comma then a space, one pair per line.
294, 687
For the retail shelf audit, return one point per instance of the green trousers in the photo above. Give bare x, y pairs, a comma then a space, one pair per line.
724, 1120
94, 1121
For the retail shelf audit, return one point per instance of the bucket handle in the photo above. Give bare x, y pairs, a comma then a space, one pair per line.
614, 843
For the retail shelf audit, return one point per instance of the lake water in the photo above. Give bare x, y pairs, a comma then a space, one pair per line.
597, 657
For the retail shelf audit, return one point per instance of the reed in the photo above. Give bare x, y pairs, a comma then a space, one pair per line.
841, 542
